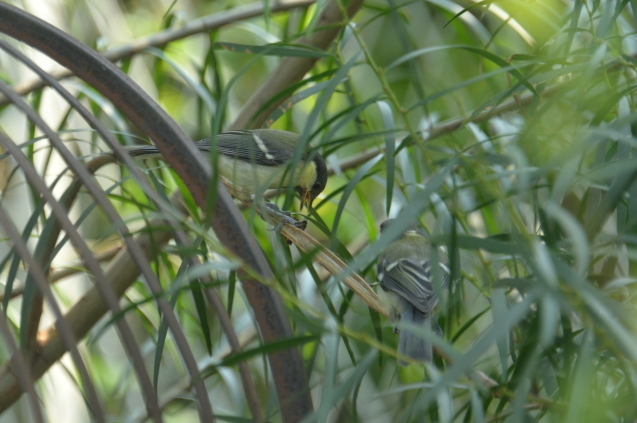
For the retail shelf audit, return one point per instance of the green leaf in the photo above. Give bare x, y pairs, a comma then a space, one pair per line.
268, 348
390, 142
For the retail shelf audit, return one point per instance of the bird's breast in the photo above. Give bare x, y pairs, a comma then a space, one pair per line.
253, 178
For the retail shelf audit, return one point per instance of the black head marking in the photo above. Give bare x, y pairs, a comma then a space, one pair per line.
321, 176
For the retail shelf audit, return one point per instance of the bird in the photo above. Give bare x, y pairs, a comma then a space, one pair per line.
258, 159
406, 289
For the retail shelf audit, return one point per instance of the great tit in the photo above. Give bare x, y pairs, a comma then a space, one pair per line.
258, 159
404, 276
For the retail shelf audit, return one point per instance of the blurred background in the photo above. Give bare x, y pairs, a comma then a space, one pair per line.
504, 127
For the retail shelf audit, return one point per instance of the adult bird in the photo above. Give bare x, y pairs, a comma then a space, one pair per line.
259, 159
405, 278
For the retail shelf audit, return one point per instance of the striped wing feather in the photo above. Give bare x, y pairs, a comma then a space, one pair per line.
411, 280
250, 147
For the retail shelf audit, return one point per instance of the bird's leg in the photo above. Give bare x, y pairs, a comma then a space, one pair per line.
283, 217
395, 315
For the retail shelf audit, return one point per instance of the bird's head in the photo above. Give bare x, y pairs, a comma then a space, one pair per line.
410, 230
313, 181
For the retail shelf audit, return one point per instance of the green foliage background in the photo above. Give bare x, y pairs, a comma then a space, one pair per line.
506, 127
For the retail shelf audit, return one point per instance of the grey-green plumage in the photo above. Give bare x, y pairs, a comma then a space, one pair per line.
257, 159
404, 276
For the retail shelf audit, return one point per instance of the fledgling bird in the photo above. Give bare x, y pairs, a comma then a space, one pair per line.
405, 279
256, 160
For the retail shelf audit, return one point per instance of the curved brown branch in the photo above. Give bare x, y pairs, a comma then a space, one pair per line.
229, 225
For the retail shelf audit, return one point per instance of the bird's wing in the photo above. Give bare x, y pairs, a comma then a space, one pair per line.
411, 280
250, 147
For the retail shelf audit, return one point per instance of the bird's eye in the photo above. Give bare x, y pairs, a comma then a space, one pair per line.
316, 186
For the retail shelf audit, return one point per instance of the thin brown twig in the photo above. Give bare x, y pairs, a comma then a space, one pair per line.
58, 275
453, 124
333, 264
196, 26
353, 248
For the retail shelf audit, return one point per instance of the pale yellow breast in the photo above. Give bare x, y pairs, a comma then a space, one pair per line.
252, 179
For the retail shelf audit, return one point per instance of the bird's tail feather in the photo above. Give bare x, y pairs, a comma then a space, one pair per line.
144, 151
151, 152
411, 344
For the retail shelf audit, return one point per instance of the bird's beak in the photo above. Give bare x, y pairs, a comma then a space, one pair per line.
306, 199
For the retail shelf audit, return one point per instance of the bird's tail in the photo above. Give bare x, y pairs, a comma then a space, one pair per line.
411, 344
151, 152
144, 151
